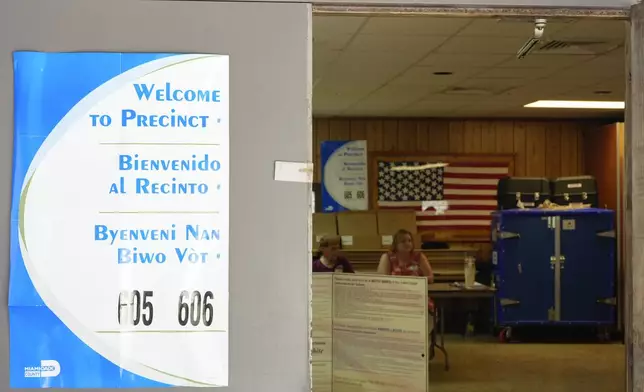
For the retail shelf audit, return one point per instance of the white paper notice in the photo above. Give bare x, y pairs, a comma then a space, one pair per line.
322, 331
379, 333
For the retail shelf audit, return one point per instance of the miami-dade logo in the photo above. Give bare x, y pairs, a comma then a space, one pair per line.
47, 368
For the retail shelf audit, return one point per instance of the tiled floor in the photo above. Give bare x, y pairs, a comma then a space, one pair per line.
483, 365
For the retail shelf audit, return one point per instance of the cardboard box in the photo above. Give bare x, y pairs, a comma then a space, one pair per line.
361, 242
358, 223
387, 240
316, 241
389, 222
325, 224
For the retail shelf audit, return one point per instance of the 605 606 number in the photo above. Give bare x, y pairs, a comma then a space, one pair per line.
135, 307
195, 308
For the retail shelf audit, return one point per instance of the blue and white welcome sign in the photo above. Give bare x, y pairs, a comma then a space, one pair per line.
344, 175
119, 245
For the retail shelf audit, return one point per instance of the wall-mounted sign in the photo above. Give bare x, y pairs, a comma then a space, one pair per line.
119, 241
345, 183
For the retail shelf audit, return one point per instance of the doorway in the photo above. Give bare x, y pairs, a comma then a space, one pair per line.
425, 86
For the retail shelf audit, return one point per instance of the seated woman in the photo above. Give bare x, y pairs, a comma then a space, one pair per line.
404, 260
329, 258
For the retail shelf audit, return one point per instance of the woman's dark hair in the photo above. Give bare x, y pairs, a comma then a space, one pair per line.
326, 241
398, 237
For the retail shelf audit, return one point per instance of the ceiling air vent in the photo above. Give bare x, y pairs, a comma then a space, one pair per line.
576, 47
467, 91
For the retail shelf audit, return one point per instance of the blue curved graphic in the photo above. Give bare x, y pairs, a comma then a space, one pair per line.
329, 204
46, 87
344, 175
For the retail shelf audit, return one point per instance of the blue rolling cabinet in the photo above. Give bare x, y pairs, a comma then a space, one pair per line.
554, 267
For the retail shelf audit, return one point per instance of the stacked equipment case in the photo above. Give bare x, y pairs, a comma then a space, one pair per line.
554, 267
530, 192
527, 192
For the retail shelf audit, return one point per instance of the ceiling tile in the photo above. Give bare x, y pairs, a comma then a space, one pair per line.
616, 85
484, 105
415, 25
381, 67
462, 99
536, 60
331, 41
425, 76
588, 94
333, 88
325, 24
506, 28
436, 106
515, 73
483, 46
322, 58
589, 28
492, 85
391, 97
599, 68
530, 93
395, 43
336, 102
330, 107
446, 61
349, 60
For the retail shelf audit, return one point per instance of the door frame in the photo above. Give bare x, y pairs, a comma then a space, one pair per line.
357, 9
632, 264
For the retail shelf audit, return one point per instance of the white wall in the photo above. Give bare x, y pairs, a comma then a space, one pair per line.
269, 50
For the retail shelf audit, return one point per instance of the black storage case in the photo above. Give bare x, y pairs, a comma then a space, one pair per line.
531, 191
579, 189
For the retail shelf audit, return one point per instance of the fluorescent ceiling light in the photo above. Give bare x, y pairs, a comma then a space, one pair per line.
614, 105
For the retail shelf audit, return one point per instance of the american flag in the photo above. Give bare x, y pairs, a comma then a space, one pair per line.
468, 189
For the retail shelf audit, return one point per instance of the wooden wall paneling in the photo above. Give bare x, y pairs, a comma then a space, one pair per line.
570, 153
358, 130
339, 130
456, 137
581, 161
504, 137
390, 135
520, 149
423, 136
553, 149
488, 137
320, 134
600, 146
439, 132
535, 150
374, 130
472, 137
407, 136
550, 149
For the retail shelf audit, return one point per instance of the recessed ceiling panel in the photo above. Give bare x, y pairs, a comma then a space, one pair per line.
554, 62
414, 25
481, 45
589, 28
396, 43
448, 61
508, 28
426, 76
323, 26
